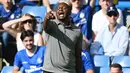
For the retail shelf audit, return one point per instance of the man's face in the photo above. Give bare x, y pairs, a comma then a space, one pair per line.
115, 70
63, 11
112, 17
28, 42
105, 4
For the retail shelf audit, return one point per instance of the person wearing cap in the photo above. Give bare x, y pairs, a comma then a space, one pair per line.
100, 20
113, 39
63, 42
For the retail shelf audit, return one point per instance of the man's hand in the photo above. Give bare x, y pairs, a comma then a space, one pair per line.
50, 15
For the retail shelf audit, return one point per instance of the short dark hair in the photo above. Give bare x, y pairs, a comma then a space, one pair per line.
26, 33
116, 65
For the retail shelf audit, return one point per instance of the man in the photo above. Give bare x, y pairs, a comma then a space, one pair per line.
8, 11
100, 20
82, 16
63, 41
116, 68
31, 58
113, 39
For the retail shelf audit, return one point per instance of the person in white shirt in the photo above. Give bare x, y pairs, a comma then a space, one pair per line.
113, 39
100, 20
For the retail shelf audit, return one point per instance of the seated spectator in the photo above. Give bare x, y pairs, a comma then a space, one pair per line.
82, 16
26, 22
116, 68
31, 58
113, 39
100, 20
8, 11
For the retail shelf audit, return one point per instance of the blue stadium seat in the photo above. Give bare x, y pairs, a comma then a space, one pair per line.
101, 61
123, 4
7, 69
104, 70
126, 70
38, 11
124, 61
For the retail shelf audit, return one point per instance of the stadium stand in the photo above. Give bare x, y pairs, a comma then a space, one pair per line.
7, 69
104, 70
38, 12
124, 61
101, 61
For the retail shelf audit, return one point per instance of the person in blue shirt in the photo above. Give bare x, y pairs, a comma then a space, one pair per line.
31, 58
8, 11
82, 16
87, 62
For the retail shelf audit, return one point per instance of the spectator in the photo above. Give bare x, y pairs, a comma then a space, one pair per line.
31, 58
82, 16
100, 20
64, 42
116, 68
113, 39
8, 11
87, 63
26, 22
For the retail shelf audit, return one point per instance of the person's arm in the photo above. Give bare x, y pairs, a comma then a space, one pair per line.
17, 63
92, 3
87, 62
47, 23
16, 70
78, 54
123, 44
40, 40
8, 25
90, 71
47, 4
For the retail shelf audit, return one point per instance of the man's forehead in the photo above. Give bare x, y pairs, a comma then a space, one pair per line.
63, 4
115, 69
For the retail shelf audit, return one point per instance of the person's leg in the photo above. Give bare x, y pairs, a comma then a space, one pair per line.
6, 38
